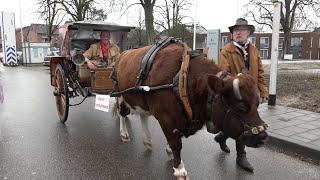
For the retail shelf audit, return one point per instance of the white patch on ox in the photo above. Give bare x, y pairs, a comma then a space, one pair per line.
169, 152
144, 124
180, 171
124, 134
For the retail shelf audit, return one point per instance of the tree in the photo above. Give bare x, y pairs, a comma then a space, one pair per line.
49, 12
171, 17
80, 10
138, 35
148, 7
294, 14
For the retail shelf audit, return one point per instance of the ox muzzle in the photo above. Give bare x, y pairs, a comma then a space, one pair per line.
254, 136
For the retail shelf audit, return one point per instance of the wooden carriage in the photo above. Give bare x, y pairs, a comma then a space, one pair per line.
70, 76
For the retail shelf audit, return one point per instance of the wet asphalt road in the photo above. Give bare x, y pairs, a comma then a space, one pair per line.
35, 145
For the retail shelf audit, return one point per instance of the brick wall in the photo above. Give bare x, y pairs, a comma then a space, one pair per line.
310, 48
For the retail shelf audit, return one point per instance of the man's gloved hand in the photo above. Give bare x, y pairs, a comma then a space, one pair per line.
90, 64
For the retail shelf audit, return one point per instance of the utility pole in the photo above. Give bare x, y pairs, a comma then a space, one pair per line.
274, 52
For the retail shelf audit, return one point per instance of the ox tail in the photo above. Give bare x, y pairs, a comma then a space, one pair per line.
115, 108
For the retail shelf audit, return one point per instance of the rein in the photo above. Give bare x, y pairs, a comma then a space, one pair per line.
138, 89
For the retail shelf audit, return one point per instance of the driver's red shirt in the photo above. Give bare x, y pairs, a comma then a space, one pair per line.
105, 48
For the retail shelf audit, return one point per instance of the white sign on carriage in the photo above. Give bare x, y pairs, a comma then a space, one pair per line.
102, 102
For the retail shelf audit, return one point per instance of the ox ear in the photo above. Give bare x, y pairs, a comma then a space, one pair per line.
244, 70
215, 84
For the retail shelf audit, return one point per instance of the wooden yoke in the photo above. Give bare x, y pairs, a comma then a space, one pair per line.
183, 81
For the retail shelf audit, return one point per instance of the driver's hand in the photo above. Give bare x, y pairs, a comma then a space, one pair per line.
263, 99
90, 65
111, 64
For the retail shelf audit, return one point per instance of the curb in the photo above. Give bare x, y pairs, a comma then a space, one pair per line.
292, 145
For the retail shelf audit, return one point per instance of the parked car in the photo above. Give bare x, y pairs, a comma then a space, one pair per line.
46, 60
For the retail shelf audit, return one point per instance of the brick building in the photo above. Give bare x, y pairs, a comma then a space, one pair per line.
35, 33
303, 44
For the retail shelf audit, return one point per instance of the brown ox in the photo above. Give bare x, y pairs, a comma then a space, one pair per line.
232, 108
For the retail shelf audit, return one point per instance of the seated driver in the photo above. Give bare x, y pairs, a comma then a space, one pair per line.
101, 53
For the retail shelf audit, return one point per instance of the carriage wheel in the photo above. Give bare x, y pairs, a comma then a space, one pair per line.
61, 94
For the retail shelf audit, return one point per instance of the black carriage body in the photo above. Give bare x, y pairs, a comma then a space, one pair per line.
71, 78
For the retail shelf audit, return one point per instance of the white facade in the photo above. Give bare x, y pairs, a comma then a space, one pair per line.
34, 52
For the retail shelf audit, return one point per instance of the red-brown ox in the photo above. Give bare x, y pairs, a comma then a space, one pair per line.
232, 108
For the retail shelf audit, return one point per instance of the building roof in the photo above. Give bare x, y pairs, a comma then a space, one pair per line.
199, 29
42, 28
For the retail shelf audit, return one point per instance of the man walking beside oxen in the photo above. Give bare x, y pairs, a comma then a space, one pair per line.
239, 53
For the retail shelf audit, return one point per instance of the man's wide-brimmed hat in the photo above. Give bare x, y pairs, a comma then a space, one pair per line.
242, 22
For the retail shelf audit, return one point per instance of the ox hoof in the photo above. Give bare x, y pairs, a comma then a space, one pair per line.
125, 137
183, 178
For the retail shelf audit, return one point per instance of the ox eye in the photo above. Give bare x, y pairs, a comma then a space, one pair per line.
243, 107
226, 92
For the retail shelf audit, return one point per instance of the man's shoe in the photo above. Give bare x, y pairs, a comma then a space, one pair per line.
242, 160
220, 138
244, 163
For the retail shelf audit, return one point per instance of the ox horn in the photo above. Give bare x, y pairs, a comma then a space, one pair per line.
236, 88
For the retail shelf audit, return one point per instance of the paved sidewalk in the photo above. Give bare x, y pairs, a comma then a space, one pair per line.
293, 129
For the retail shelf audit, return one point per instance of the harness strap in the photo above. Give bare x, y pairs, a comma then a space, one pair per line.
183, 81
149, 57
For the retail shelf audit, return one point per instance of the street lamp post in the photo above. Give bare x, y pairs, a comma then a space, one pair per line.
194, 24
274, 52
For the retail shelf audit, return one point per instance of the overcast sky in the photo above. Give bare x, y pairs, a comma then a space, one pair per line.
212, 14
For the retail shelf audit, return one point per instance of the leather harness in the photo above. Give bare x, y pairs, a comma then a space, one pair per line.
180, 82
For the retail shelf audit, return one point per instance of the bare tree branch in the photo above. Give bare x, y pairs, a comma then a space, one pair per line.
294, 14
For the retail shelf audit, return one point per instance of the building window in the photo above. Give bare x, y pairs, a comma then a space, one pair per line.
264, 53
264, 42
296, 41
281, 39
252, 40
45, 51
224, 41
35, 53
44, 39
